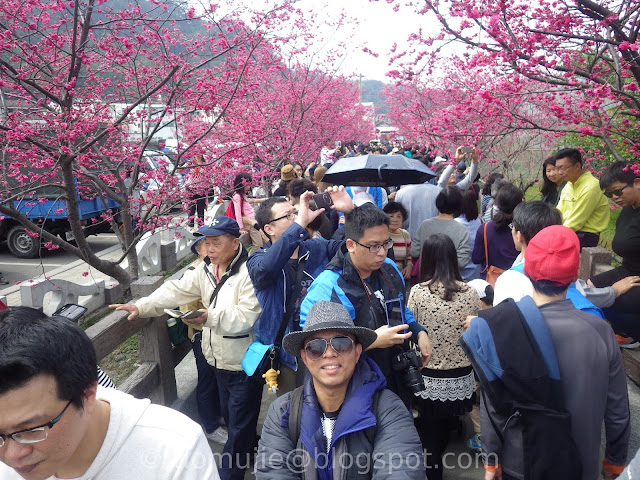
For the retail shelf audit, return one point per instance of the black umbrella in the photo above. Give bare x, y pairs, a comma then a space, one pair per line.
377, 170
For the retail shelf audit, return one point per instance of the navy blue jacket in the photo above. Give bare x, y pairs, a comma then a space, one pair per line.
268, 271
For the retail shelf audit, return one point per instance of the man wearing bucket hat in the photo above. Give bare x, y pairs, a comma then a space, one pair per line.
342, 423
576, 365
223, 285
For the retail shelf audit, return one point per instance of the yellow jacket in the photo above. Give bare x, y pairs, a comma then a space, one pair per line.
583, 206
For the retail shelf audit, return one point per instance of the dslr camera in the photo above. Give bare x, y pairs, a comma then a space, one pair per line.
408, 365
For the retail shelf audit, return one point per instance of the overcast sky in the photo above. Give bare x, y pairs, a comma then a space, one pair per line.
379, 28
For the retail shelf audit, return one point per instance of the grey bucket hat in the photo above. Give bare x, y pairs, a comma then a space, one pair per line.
327, 316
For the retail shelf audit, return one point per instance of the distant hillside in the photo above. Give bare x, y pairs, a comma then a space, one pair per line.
372, 92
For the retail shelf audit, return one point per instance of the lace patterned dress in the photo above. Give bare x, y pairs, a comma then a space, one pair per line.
449, 381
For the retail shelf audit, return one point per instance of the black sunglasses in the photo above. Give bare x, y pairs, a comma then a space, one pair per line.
617, 192
341, 344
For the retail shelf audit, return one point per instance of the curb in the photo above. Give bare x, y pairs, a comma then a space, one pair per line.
76, 263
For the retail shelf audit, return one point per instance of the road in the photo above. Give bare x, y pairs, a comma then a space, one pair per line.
19, 269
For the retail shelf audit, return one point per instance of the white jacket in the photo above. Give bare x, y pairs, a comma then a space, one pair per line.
228, 330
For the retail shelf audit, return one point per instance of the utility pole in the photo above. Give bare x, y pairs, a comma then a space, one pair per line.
360, 86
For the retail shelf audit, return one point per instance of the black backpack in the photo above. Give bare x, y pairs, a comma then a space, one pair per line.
295, 411
549, 452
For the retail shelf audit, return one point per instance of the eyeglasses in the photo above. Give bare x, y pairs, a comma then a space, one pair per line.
35, 434
341, 344
617, 192
376, 248
288, 216
565, 168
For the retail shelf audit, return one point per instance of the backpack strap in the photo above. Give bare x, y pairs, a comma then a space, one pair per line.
540, 332
295, 411
486, 250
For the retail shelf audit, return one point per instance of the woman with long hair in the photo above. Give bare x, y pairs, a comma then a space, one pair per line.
552, 182
500, 247
441, 302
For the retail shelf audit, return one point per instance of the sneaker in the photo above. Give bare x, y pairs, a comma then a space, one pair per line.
626, 342
3, 281
474, 443
219, 436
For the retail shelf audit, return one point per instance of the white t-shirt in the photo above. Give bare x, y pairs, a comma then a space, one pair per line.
145, 441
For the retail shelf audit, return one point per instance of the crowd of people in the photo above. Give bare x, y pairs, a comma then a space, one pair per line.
384, 319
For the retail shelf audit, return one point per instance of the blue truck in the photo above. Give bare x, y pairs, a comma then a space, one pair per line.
46, 209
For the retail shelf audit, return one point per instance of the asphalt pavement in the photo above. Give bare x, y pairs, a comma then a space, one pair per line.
16, 269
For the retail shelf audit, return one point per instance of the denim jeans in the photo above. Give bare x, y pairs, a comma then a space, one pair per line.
207, 396
240, 398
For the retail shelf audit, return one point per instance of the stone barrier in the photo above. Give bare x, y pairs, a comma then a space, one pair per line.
154, 256
62, 292
593, 261
155, 376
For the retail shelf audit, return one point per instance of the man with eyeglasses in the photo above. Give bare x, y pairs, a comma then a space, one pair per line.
342, 423
371, 287
56, 422
284, 268
584, 208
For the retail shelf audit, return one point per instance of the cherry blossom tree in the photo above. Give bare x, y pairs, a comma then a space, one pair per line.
499, 119
573, 67
86, 87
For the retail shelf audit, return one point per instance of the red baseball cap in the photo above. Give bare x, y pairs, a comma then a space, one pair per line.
553, 254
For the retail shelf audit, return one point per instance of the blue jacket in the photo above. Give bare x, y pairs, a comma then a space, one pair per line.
396, 452
375, 192
341, 283
268, 271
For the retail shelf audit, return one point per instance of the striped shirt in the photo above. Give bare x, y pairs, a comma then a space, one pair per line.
401, 247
